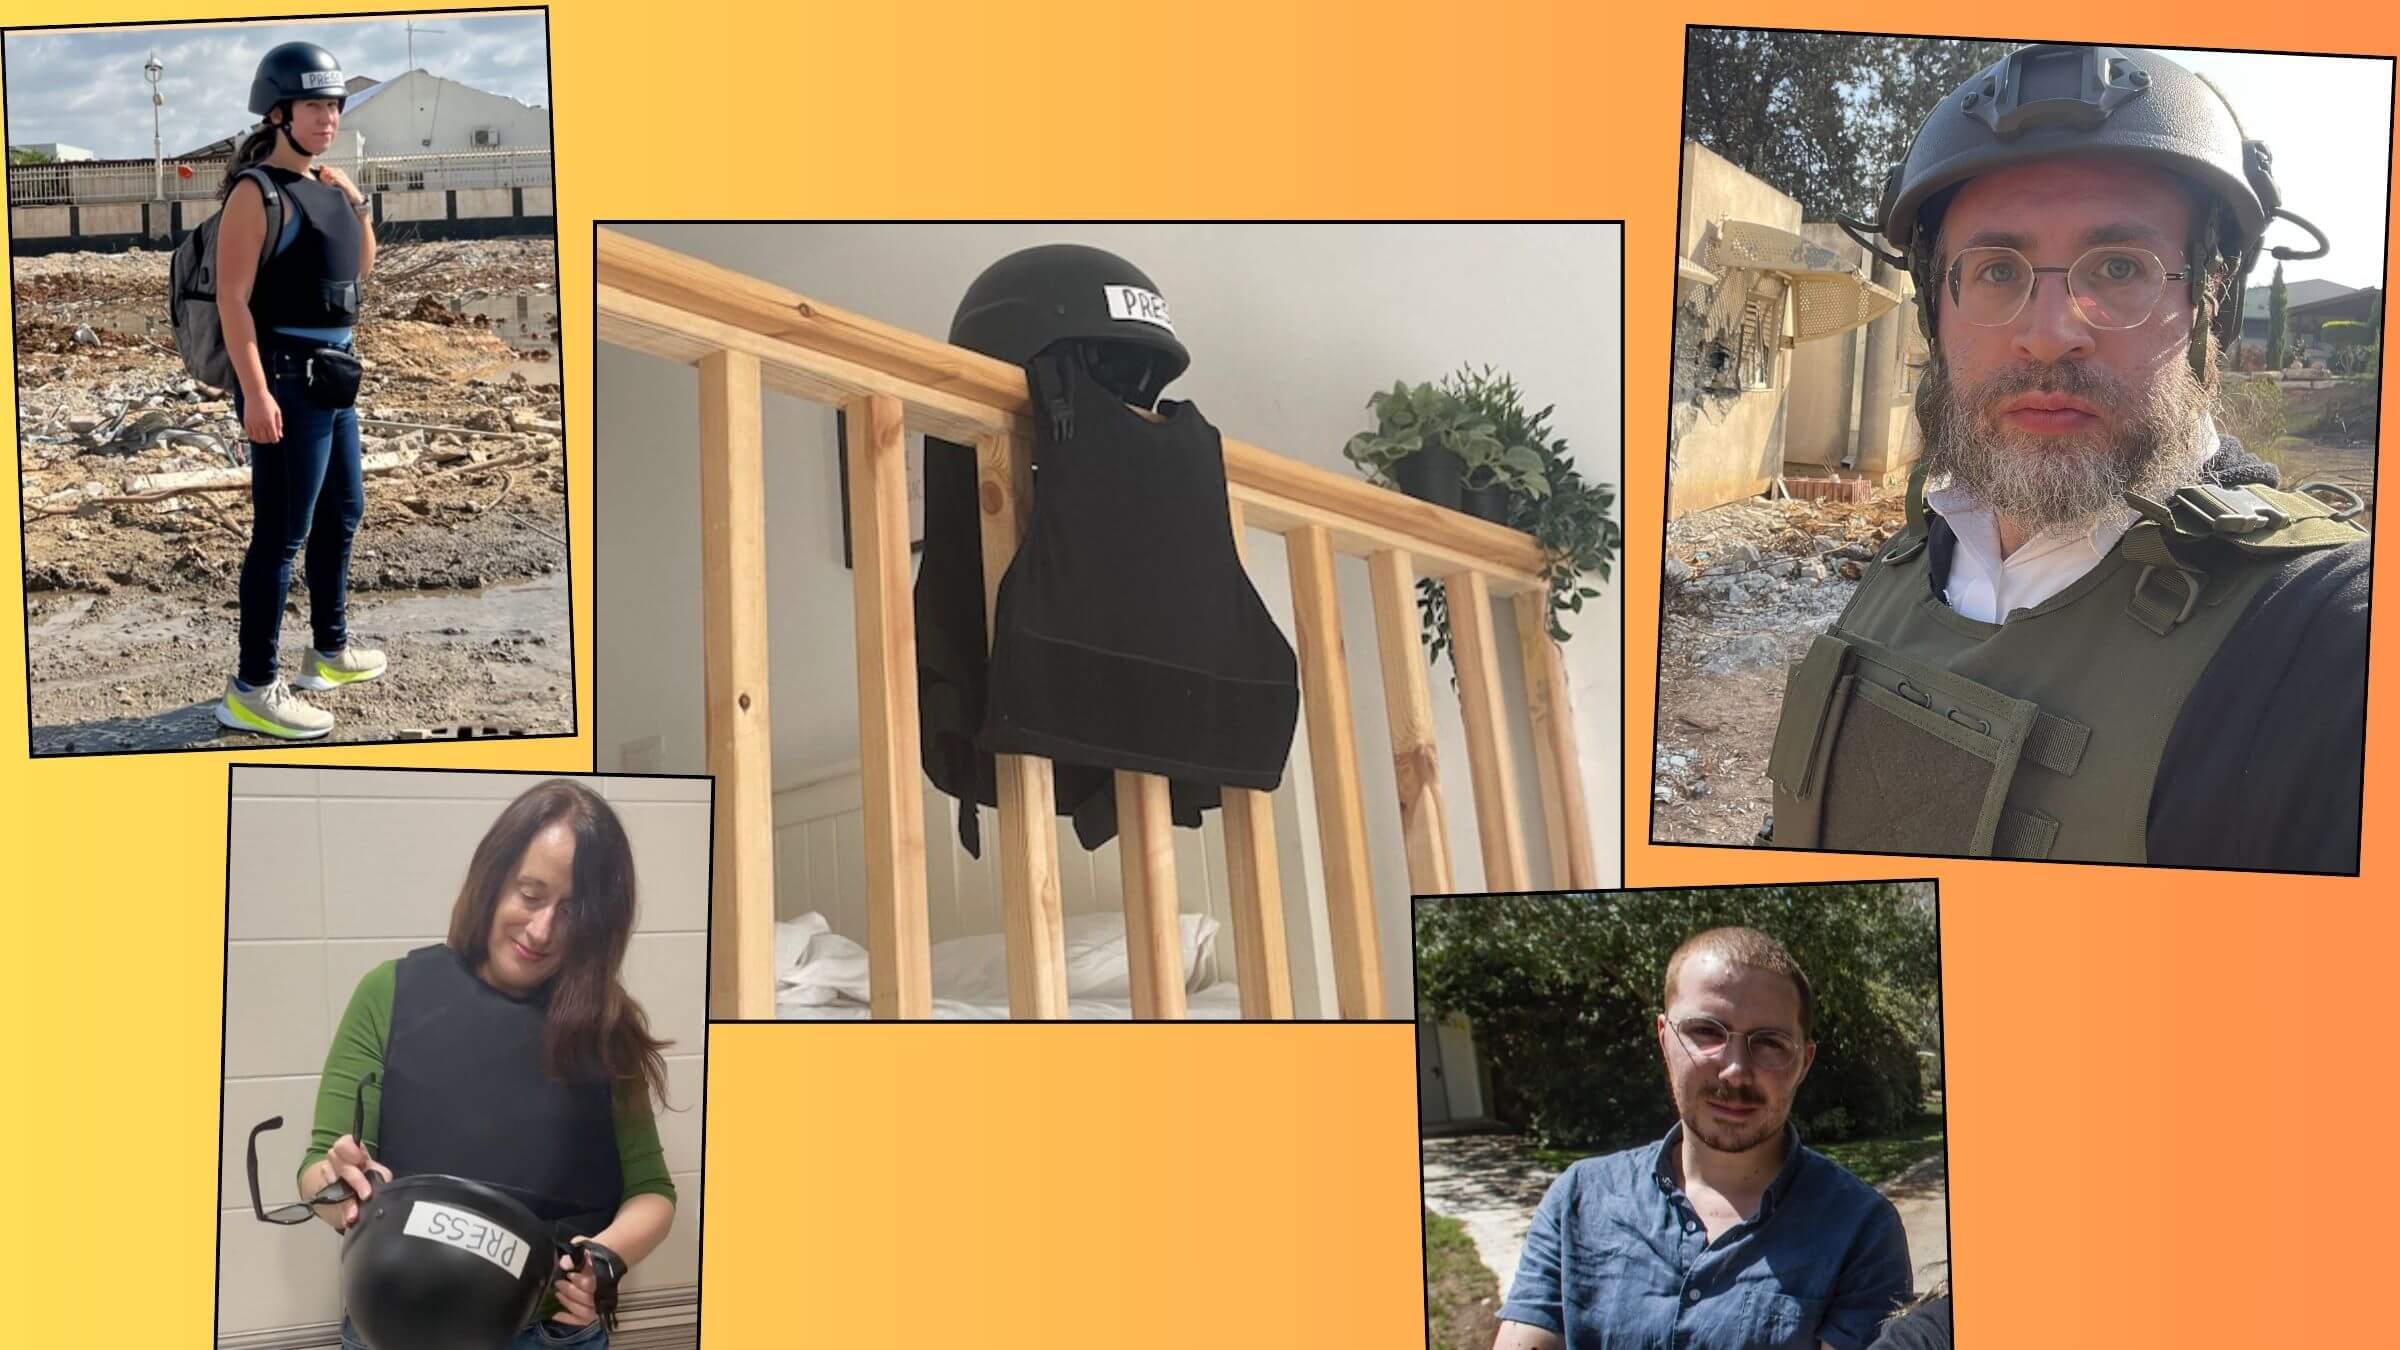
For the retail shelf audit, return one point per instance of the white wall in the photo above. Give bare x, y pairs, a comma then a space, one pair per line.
1291, 327
410, 109
331, 871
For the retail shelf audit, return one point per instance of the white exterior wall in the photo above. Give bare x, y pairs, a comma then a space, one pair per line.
418, 114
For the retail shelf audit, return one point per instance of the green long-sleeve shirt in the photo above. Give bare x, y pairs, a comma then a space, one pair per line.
358, 1049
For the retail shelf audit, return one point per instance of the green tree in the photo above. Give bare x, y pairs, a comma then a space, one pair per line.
17, 156
1820, 116
1563, 991
2279, 352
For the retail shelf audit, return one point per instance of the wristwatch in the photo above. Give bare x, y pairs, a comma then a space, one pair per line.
362, 208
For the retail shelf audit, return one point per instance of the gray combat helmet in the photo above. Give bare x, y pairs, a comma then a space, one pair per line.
2051, 100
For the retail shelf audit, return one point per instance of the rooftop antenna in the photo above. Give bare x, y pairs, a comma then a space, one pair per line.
413, 30
424, 142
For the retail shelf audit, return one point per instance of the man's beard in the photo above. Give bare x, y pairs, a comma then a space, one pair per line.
1725, 1138
2041, 482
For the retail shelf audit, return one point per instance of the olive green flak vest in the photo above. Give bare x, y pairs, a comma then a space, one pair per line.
1911, 728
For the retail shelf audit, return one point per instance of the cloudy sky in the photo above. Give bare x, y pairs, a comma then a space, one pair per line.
86, 88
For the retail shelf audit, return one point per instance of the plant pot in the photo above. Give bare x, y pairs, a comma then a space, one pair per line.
1431, 475
1485, 503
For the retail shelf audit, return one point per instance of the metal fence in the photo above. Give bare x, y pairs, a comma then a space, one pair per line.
86, 183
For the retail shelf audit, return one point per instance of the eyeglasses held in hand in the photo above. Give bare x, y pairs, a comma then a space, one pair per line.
333, 1194
2113, 286
1768, 1049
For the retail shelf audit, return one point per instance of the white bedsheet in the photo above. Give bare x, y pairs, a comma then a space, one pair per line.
821, 974
1219, 1001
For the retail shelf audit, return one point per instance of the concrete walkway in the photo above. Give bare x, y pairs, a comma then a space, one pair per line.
1491, 1184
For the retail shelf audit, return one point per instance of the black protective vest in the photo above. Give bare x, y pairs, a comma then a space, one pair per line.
464, 1094
1128, 634
313, 281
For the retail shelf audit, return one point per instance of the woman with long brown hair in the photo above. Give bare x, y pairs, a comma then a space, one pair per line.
511, 1054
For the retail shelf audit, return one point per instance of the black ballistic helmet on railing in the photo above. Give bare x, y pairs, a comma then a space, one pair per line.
1052, 293
2052, 100
296, 70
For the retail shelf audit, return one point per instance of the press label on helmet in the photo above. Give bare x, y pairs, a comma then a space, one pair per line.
321, 79
1132, 302
469, 1232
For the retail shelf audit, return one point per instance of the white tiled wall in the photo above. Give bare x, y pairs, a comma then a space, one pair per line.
334, 870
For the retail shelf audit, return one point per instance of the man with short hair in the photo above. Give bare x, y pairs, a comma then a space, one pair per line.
2105, 633
1728, 1234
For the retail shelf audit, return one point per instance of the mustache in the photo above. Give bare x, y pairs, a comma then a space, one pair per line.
1738, 1097
2058, 377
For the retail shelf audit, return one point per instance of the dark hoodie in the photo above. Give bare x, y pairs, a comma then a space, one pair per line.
2265, 766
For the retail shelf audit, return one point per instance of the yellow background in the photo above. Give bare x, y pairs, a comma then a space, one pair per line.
2170, 1101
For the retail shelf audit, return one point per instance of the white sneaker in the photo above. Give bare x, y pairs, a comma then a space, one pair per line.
272, 710
331, 670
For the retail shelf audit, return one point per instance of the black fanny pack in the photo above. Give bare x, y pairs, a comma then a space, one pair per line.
332, 375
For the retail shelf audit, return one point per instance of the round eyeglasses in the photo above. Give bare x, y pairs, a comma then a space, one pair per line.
1768, 1049
2113, 286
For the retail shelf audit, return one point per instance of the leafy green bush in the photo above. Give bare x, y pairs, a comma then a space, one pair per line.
1563, 991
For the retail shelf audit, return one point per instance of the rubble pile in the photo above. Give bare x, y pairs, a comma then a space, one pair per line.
134, 486
1747, 586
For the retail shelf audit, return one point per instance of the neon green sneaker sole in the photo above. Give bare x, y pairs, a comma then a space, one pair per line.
234, 715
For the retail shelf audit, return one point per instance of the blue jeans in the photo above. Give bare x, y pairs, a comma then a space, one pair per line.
306, 492
539, 1336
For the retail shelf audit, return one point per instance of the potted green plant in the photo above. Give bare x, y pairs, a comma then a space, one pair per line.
1571, 517
1423, 442
1505, 468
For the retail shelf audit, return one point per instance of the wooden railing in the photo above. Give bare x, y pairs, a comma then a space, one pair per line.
747, 335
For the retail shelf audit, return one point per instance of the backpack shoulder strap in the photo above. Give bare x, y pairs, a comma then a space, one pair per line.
272, 198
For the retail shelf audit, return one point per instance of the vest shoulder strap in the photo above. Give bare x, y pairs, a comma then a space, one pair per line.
2254, 520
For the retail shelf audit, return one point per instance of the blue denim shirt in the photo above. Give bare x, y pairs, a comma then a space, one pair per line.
1618, 1258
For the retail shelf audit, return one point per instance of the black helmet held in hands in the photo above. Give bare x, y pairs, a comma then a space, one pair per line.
440, 1262
1051, 293
2052, 100
296, 70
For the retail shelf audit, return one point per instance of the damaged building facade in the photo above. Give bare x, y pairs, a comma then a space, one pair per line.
1795, 350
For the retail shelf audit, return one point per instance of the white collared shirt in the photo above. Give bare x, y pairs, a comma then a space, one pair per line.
1987, 587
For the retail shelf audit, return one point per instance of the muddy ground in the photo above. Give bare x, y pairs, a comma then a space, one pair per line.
459, 570
1748, 585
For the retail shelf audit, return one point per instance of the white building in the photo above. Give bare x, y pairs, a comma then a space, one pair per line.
423, 114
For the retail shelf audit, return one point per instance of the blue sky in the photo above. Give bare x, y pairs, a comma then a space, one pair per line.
86, 88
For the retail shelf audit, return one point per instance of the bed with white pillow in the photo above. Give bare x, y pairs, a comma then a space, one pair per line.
821, 975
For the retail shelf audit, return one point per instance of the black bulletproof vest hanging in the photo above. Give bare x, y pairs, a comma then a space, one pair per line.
311, 282
465, 1094
1128, 634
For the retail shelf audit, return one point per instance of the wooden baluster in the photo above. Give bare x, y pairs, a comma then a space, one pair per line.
1146, 853
1546, 701
1333, 764
1489, 760
899, 947
1032, 921
1409, 711
1254, 885
733, 625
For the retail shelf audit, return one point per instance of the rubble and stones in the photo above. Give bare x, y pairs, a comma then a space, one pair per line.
472, 424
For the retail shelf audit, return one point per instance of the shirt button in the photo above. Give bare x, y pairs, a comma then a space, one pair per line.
1692, 1295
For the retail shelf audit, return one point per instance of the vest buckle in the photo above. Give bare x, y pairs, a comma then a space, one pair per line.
2208, 508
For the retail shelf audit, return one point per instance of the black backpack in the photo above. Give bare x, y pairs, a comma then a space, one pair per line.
192, 289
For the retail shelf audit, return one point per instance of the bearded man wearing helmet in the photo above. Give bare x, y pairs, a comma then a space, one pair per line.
2106, 633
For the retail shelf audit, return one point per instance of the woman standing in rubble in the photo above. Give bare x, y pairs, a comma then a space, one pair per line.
287, 305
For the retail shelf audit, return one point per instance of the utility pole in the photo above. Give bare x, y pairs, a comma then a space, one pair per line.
413, 30
153, 71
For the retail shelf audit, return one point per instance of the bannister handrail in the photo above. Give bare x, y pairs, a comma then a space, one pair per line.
1279, 492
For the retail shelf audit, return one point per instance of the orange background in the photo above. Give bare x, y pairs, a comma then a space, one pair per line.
2165, 1121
